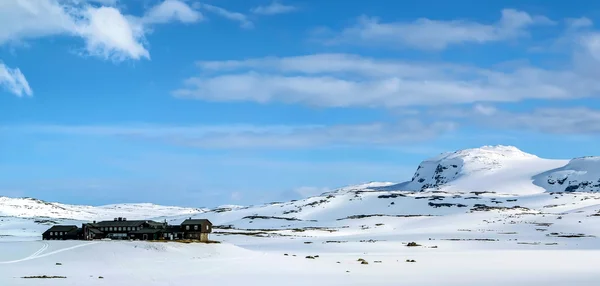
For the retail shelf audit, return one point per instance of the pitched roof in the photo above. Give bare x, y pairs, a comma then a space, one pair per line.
110, 223
94, 230
75, 231
155, 223
61, 228
196, 221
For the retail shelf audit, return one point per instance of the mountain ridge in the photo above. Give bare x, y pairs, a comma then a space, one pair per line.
503, 170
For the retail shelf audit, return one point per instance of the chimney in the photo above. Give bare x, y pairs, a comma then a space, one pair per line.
94, 222
116, 219
124, 219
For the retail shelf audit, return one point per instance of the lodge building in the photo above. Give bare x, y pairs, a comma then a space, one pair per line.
121, 228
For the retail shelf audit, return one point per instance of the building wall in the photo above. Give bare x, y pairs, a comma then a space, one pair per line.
202, 236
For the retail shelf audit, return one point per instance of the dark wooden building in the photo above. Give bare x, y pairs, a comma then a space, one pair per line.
121, 228
196, 229
62, 232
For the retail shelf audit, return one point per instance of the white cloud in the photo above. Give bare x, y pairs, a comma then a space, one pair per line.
546, 120
14, 81
577, 120
577, 23
110, 35
108, 32
430, 34
591, 44
273, 9
101, 2
338, 80
171, 10
245, 137
234, 16
22, 20
484, 109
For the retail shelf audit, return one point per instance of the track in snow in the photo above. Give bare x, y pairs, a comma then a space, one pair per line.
38, 254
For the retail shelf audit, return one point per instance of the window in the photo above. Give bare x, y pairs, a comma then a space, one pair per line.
195, 227
187, 227
207, 227
52, 233
120, 228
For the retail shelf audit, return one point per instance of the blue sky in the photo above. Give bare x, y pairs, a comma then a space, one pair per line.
242, 102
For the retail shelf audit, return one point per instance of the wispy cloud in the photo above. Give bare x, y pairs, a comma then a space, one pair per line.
273, 9
248, 136
341, 80
555, 120
14, 81
169, 11
430, 34
234, 16
577, 23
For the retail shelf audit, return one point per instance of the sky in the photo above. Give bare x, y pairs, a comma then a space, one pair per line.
250, 101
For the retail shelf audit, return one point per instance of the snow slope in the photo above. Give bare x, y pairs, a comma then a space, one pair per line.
500, 169
580, 174
30, 207
143, 263
486, 216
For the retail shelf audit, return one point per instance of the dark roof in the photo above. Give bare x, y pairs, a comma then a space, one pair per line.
64, 228
154, 223
94, 230
75, 231
110, 223
196, 221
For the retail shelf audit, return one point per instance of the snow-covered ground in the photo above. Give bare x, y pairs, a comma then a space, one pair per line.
143, 263
487, 216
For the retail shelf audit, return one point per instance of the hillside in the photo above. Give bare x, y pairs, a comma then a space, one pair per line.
467, 212
30, 207
465, 187
580, 174
499, 169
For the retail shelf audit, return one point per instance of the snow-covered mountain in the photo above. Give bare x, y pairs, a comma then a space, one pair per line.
499, 169
497, 178
580, 174
30, 207
472, 209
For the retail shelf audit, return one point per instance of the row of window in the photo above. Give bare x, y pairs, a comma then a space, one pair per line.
187, 227
124, 228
